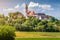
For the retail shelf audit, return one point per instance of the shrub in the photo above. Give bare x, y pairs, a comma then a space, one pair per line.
7, 33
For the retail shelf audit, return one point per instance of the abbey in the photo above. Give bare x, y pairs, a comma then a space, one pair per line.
41, 16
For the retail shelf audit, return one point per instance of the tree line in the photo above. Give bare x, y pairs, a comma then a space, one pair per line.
30, 24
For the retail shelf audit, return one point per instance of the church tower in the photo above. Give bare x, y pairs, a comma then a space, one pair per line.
26, 8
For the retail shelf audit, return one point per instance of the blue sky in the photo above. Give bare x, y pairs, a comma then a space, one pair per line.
49, 7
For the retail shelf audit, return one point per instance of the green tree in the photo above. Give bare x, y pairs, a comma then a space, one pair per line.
26, 26
2, 21
7, 33
14, 14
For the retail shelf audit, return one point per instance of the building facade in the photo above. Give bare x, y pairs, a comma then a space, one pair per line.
40, 16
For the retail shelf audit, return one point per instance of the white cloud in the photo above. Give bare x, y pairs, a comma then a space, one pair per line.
11, 9
23, 7
8, 9
32, 4
43, 10
17, 6
44, 7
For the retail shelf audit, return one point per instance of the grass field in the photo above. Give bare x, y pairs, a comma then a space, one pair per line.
37, 39
37, 34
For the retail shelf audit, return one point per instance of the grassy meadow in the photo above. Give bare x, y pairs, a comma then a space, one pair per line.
37, 34
37, 39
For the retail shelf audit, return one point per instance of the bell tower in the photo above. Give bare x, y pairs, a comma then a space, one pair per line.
26, 8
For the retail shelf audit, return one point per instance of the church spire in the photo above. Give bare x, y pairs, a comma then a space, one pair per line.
26, 8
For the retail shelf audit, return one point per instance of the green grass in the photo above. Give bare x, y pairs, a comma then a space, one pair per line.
37, 39
38, 34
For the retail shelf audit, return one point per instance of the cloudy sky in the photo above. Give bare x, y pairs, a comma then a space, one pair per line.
49, 7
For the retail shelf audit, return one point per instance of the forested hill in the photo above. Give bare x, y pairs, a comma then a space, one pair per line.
20, 23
